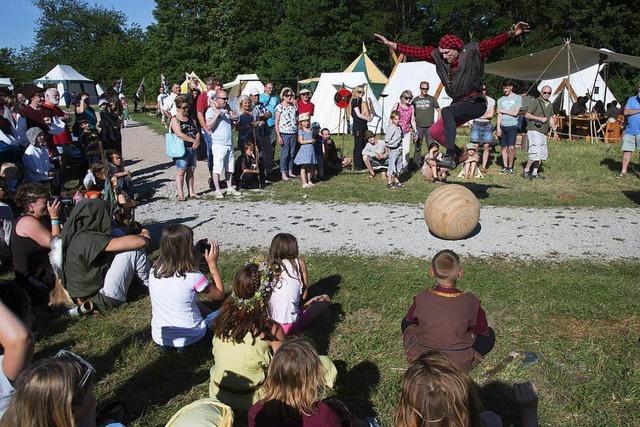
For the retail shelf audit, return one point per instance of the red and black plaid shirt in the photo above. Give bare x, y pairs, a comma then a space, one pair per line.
424, 53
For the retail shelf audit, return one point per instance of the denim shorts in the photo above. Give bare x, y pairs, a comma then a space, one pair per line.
481, 132
188, 160
509, 134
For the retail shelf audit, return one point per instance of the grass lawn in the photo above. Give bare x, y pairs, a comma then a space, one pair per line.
578, 174
583, 325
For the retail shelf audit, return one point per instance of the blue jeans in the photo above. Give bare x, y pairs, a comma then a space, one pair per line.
207, 139
287, 151
188, 160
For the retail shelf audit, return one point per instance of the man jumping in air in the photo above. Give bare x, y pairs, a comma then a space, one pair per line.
460, 69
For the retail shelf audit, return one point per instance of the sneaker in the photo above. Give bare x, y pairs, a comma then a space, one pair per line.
510, 171
390, 186
446, 162
504, 170
527, 175
621, 175
399, 185
233, 191
218, 195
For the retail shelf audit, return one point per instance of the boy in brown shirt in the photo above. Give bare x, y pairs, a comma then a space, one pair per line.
447, 319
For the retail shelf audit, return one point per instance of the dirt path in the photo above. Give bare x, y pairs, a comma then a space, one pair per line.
556, 233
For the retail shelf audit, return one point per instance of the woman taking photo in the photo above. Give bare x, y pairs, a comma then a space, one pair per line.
31, 239
286, 125
187, 130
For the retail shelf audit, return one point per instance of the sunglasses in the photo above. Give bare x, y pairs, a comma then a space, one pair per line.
224, 99
546, 93
406, 97
484, 88
424, 88
183, 108
287, 95
71, 356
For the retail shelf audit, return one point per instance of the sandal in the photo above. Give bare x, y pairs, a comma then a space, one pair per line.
621, 175
371, 176
182, 199
195, 196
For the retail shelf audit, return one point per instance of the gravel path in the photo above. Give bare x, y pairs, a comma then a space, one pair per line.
376, 229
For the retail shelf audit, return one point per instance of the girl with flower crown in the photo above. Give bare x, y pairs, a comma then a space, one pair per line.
289, 302
244, 339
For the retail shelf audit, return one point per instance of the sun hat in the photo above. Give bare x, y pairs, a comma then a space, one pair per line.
471, 146
254, 91
102, 102
304, 116
303, 91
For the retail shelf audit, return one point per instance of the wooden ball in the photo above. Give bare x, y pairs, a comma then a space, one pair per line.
452, 212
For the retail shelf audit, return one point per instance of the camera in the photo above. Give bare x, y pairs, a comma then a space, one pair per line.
203, 245
538, 124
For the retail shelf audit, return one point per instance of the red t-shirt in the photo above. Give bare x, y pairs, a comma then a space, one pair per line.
305, 107
65, 136
202, 103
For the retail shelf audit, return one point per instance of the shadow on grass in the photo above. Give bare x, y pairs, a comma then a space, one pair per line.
497, 396
612, 164
355, 386
481, 191
634, 196
169, 375
326, 324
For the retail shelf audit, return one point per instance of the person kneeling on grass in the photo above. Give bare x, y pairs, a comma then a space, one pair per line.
447, 319
393, 140
248, 173
178, 318
97, 266
290, 304
375, 154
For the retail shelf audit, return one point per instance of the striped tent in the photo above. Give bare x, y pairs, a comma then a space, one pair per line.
377, 79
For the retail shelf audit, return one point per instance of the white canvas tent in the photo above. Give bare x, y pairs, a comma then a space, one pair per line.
407, 76
242, 84
582, 83
5, 82
327, 113
68, 80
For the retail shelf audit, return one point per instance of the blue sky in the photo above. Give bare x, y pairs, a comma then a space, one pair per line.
18, 17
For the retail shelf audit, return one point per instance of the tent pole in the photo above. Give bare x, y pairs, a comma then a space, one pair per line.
569, 80
592, 125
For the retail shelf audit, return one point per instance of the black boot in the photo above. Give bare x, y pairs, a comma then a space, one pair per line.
447, 162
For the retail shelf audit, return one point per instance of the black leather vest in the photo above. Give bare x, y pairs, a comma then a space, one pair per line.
467, 78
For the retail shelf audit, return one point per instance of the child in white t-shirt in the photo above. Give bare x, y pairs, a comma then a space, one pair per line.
178, 318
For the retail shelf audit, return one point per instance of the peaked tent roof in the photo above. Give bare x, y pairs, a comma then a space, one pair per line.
5, 82
61, 73
363, 63
407, 76
552, 63
242, 84
327, 113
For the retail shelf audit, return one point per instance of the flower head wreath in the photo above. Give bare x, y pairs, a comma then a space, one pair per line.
264, 279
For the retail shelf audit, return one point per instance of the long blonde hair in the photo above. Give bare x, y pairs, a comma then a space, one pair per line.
436, 393
46, 395
296, 378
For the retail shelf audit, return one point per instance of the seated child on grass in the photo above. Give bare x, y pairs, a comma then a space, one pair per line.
393, 140
375, 154
289, 302
246, 173
447, 319
178, 318
471, 164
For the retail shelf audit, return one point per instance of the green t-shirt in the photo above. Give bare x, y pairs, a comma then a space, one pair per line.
510, 102
539, 107
424, 110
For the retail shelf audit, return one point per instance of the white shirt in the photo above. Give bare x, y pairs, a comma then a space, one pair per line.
491, 103
221, 132
286, 294
169, 104
6, 390
176, 320
36, 164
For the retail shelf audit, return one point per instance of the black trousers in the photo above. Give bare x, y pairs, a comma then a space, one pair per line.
484, 344
455, 115
358, 145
